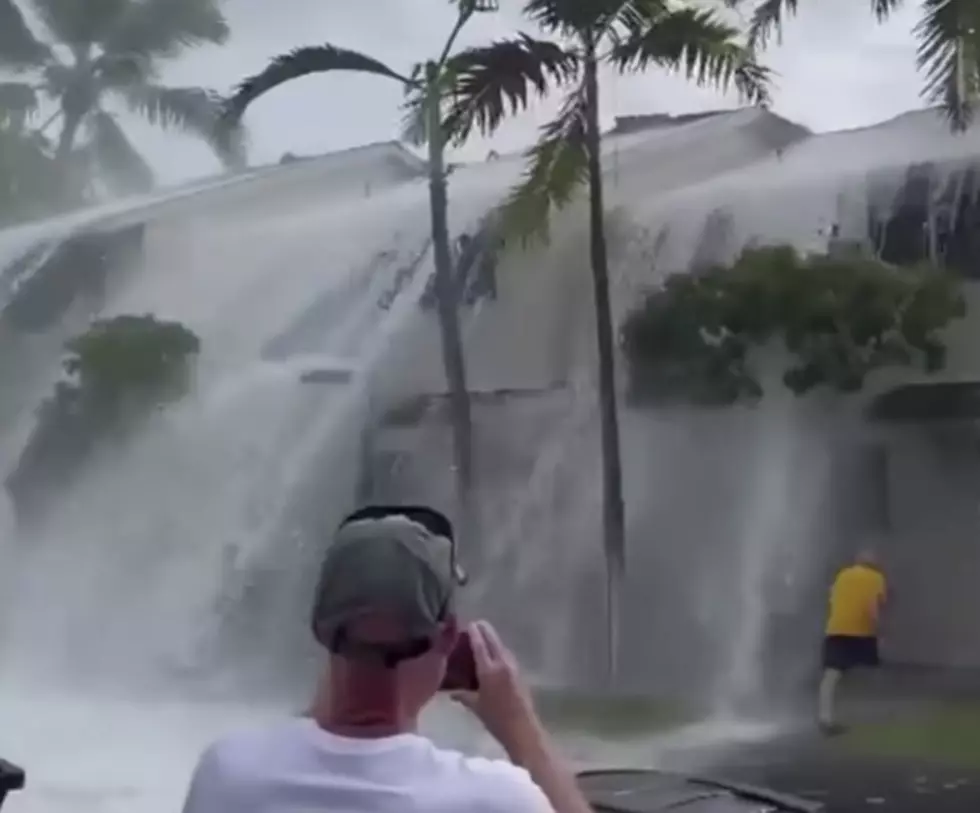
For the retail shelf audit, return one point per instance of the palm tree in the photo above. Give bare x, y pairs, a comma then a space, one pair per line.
628, 35
948, 35
110, 48
428, 87
29, 182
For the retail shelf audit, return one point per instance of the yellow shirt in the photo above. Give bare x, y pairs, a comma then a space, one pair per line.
855, 597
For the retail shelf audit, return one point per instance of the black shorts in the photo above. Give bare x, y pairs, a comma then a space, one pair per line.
845, 652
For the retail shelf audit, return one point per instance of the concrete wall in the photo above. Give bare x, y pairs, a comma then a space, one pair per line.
921, 501
538, 553
244, 258
737, 522
932, 547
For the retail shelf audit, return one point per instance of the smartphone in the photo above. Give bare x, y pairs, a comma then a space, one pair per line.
460, 667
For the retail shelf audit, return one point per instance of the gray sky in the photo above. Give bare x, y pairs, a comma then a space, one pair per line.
837, 69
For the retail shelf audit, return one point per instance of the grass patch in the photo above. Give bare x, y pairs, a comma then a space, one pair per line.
617, 715
948, 734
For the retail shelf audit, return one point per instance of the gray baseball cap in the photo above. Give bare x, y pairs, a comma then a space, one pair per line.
399, 560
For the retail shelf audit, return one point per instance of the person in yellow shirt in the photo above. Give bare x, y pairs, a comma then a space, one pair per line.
857, 598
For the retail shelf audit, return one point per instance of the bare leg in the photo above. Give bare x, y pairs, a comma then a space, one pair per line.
826, 704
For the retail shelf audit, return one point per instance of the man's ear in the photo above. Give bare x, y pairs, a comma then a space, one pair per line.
447, 635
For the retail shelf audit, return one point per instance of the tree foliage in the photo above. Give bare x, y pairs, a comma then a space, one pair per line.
129, 360
116, 373
947, 53
88, 52
31, 183
483, 84
629, 36
700, 337
428, 86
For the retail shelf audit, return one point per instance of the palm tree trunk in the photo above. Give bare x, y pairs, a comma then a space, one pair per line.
613, 509
447, 297
67, 138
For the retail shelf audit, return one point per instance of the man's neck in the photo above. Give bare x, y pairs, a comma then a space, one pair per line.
337, 724
369, 711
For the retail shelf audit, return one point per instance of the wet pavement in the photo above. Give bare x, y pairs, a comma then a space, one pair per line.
851, 783
848, 782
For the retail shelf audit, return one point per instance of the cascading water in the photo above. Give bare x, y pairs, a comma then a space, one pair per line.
119, 595
137, 587
776, 519
756, 562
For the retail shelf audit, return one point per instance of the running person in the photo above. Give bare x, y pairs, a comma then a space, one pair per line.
851, 636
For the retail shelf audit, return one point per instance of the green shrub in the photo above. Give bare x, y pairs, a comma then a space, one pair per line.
118, 371
695, 339
131, 359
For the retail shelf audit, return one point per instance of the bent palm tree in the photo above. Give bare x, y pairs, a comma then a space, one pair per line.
629, 35
948, 50
94, 50
427, 86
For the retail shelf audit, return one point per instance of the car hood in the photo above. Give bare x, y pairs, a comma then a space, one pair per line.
648, 791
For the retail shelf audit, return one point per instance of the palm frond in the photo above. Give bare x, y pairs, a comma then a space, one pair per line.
163, 28
195, 111
769, 15
79, 24
414, 124
57, 79
122, 168
630, 17
474, 5
572, 17
297, 63
557, 165
882, 9
117, 71
549, 15
698, 44
414, 128
32, 185
19, 48
484, 84
767, 18
189, 109
18, 99
948, 54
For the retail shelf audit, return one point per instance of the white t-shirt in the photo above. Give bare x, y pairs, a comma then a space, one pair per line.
297, 767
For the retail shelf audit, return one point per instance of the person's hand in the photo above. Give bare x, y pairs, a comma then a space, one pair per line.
502, 702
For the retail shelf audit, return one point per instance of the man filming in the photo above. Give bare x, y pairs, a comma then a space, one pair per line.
384, 611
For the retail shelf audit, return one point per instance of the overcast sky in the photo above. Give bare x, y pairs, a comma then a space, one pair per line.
837, 69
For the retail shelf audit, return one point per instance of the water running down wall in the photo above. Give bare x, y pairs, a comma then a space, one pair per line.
141, 552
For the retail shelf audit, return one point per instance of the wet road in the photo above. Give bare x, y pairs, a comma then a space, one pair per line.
850, 783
